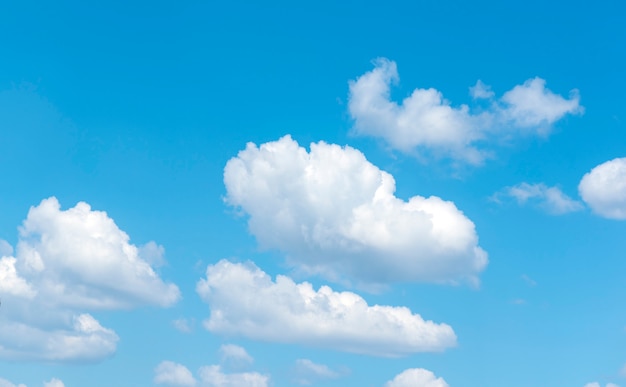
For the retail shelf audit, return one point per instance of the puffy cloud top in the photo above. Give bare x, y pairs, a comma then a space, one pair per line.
425, 120
90, 256
69, 262
245, 301
604, 189
334, 213
416, 377
173, 374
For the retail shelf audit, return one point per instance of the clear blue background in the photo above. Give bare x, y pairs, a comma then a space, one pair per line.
135, 107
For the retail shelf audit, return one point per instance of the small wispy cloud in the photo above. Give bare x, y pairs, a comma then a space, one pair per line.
550, 199
184, 325
427, 122
531, 282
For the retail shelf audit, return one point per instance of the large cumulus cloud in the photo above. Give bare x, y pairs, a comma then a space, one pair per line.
245, 301
604, 189
69, 263
334, 213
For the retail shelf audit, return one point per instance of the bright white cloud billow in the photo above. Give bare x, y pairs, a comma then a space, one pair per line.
80, 258
213, 376
335, 214
244, 301
54, 382
416, 377
67, 263
426, 121
173, 374
604, 189
550, 199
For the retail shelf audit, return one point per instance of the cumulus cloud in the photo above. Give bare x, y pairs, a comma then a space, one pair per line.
54, 382
244, 301
335, 214
596, 384
66, 263
173, 374
425, 120
214, 377
6, 383
80, 258
416, 377
308, 372
604, 189
550, 199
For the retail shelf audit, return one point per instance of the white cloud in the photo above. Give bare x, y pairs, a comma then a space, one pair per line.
416, 377
6, 383
308, 372
153, 254
550, 199
335, 214
596, 384
481, 91
244, 301
80, 258
235, 356
426, 121
11, 282
69, 262
214, 377
173, 374
54, 382
604, 189
81, 339
533, 106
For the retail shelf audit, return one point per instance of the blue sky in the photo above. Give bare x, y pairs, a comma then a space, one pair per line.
324, 193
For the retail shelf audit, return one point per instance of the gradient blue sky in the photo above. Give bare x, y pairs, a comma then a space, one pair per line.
136, 107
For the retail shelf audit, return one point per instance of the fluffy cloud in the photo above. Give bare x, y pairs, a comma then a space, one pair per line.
308, 372
335, 214
214, 377
596, 384
416, 377
427, 121
80, 258
6, 383
551, 199
245, 301
84, 339
604, 189
54, 383
173, 374
68, 262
